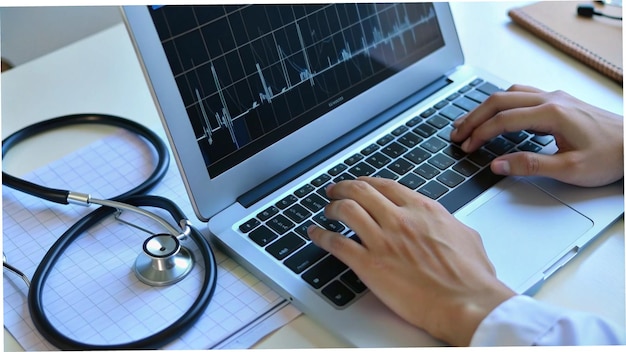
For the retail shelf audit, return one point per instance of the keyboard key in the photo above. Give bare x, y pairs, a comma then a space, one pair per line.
425, 130
468, 190
426, 171
543, 140
454, 152
324, 271
433, 189
417, 155
400, 130
351, 280
465, 168
441, 161
280, 224
361, 169
401, 166
369, 149
441, 104
328, 224
499, 146
337, 169
343, 177
304, 190
488, 88
412, 181
338, 293
285, 245
314, 202
394, 150
262, 236
378, 160
452, 112
384, 173
529, 147
287, 201
353, 159
516, 137
427, 113
302, 229
433, 145
476, 82
410, 139
477, 96
450, 178
438, 122
267, 213
249, 225
384, 140
322, 191
481, 157
304, 258
445, 134
466, 104
297, 213
320, 180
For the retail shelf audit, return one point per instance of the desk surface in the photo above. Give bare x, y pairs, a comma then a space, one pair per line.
101, 74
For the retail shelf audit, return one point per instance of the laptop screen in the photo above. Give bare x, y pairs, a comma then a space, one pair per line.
251, 74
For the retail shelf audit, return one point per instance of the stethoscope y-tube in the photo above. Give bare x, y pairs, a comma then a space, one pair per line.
130, 200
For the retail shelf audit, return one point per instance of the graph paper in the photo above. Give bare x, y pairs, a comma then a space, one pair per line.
92, 295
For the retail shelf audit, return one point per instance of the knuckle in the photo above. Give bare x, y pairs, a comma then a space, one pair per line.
531, 164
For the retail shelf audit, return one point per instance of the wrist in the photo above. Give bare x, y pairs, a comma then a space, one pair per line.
461, 320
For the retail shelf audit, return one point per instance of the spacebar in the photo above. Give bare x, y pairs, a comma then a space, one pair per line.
469, 190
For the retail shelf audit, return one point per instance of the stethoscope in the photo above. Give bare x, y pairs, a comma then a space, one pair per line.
163, 260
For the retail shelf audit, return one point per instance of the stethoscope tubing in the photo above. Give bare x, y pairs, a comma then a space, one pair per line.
135, 197
60, 196
156, 340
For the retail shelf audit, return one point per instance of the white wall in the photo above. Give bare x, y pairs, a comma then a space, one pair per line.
29, 32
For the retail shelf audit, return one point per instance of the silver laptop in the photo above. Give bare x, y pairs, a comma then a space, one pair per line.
265, 104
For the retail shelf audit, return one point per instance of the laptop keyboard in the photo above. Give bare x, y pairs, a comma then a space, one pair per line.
417, 154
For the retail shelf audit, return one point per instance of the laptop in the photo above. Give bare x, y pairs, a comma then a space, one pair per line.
265, 104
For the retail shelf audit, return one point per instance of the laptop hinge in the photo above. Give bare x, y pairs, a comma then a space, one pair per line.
254, 195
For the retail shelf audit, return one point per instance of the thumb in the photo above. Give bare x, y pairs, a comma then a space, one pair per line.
528, 164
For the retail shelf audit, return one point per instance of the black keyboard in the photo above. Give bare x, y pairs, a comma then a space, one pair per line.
417, 154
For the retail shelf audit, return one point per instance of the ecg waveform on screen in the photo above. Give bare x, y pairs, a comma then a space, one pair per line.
307, 74
250, 74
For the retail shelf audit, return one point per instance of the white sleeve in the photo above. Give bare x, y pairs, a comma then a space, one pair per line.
523, 321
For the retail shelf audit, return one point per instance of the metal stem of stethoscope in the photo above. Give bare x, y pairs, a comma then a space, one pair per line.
14, 270
164, 261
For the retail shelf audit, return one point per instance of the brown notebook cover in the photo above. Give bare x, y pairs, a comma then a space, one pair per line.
595, 41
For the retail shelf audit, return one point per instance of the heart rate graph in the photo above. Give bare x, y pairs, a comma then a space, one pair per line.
250, 74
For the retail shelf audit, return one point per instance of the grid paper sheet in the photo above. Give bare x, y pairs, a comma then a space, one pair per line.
92, 295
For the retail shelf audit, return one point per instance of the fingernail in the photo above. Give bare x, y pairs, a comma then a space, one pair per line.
466, 144
501, 167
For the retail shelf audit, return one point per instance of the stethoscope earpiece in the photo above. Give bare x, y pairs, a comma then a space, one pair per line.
164, 261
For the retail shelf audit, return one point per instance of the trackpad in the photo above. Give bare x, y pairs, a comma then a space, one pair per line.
525, 229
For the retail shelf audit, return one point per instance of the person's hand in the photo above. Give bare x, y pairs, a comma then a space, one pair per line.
422, 262
589, 140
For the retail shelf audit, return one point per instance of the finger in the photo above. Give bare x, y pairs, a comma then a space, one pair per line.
524, 88
532, 164
535, 118
496, 103
366, 196
347, 250
353, 215
392, 190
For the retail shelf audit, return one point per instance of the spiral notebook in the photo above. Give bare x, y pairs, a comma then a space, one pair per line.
596, 41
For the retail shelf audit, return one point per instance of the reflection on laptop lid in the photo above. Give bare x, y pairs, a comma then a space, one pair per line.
266, 104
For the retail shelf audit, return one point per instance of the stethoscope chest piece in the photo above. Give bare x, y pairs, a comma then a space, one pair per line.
164, 261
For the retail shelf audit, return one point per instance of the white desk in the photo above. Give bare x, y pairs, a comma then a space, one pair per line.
101, 74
